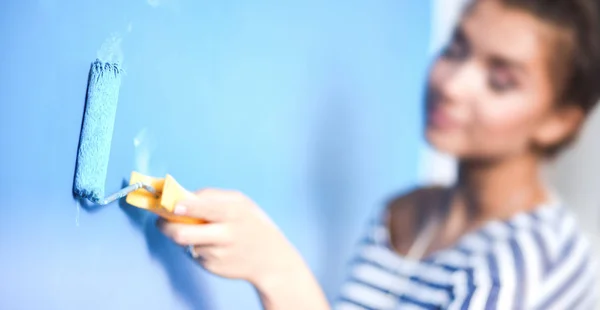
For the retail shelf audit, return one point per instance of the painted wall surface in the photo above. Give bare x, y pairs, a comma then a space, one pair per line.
312, 108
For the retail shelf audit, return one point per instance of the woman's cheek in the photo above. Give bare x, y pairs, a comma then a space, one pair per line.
503, 122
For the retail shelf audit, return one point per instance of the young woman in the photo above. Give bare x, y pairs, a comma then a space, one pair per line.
511, 89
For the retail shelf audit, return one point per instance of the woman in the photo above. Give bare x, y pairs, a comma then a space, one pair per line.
512, 88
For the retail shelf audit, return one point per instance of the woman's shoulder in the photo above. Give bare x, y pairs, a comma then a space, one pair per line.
407, 212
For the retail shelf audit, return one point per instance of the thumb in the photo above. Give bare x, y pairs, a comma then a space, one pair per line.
204, 208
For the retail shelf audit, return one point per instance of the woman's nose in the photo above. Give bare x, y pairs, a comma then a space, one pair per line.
459, 81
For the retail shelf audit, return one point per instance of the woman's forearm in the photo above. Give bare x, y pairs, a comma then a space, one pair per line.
292, 289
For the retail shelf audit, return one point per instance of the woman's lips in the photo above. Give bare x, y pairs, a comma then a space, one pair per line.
440, 119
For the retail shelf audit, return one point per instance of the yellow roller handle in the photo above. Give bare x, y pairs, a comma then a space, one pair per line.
170, 194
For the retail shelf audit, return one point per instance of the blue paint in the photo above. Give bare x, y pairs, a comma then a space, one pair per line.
97, 130
310, 107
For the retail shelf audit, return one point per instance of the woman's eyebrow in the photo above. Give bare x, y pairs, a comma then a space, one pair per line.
502, 61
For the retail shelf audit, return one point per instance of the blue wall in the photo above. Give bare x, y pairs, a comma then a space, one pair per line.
310, 107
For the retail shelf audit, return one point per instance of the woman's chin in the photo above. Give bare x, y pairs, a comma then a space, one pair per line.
442, 142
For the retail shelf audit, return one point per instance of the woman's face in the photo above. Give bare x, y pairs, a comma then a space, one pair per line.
490, 90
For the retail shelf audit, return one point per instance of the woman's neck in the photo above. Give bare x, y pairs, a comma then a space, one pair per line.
498, 189
488, 191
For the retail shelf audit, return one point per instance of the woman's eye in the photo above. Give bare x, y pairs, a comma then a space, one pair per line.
500, 81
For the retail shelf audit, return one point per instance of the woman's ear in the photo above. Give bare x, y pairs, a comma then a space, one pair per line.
560, 125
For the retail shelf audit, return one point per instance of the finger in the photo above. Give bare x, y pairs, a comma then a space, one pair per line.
203, 253
193, 252
212, 208
206, 234
209, 192
210, 258
220, 195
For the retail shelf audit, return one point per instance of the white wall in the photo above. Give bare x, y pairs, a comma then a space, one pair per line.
576, 177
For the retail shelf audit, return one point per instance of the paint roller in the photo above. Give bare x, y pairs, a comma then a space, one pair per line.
157, 195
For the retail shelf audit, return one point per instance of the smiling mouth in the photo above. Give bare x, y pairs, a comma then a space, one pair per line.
438, 116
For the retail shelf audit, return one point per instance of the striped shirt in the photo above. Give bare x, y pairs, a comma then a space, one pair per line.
537, 260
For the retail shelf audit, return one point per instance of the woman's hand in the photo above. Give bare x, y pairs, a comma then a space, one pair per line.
239, 241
